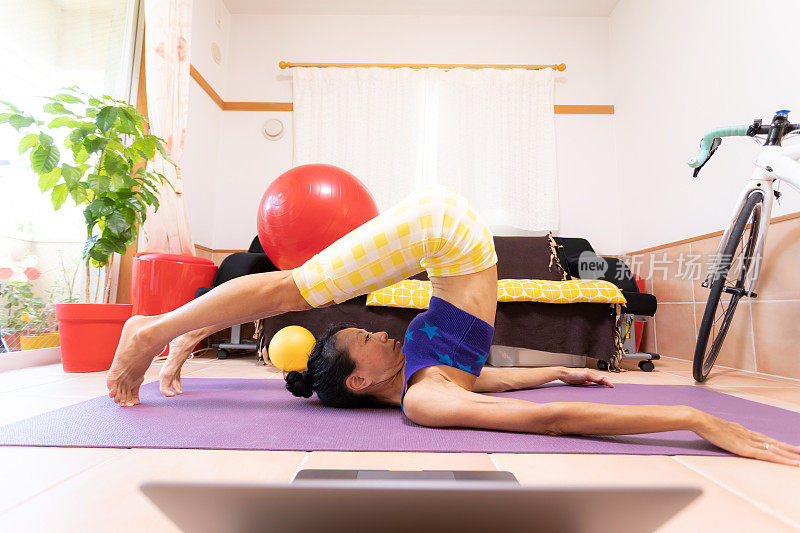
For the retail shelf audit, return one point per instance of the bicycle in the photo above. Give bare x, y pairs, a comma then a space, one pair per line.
746, 233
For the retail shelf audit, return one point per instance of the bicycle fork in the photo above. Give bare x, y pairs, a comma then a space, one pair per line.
759, 181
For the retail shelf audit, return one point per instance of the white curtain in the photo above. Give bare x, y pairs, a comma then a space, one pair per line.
487, 133
168, 35
364, 120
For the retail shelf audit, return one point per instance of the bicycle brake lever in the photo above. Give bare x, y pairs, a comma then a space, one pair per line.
714, 145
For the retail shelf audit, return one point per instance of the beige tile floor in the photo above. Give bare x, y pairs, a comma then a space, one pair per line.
84, 490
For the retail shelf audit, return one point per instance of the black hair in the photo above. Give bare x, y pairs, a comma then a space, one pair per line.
328, 368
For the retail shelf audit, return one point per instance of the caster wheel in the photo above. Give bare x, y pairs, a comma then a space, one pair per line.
646, 365
222, 354
602, 365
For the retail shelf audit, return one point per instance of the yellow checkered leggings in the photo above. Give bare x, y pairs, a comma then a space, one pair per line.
433, 229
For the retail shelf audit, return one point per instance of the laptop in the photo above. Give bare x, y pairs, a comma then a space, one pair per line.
339, 501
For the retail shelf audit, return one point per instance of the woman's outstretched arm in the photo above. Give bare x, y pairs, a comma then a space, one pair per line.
504, 379
501, 379
444, 404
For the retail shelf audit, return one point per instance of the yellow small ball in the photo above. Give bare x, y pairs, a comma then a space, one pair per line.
290, 347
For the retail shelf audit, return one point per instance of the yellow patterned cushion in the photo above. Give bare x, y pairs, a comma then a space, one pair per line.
416, 294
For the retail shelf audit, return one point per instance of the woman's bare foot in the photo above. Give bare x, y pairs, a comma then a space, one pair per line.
179, 351
135, 352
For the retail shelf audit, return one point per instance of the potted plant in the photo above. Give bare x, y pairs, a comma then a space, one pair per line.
28, 321
24, 318
107, 147
23, 315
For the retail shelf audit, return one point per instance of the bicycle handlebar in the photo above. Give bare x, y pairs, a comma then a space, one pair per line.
708, 140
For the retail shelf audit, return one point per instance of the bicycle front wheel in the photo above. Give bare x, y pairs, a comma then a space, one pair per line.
729, 281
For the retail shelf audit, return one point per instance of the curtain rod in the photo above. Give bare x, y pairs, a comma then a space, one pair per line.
285, 64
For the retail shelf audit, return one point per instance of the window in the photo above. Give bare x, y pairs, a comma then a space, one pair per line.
49, 44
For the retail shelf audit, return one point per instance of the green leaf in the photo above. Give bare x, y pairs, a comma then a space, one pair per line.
59, 195
68, 98
146, 198
44, 158
102, 206
87, 246
106, 118
115, 145
127, 124
99, 184
114, 164
58, 122
104, 245
27, 142
120, 244
88, 215
48, 181
117, 223
95, 102
56, 108
78, 192
98, 255
136, 204
5, 116
87, 127
80, 155
73, 174
145, 146
130, 215
45, 139
127, 236
117, 182
20, 121
94, 144
159, 145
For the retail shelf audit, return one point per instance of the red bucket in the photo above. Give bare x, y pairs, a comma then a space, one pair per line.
90, 334
163, 282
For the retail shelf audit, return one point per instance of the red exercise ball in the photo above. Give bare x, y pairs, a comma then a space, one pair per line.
307, 209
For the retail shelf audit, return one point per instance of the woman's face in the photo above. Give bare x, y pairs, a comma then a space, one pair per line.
377, 357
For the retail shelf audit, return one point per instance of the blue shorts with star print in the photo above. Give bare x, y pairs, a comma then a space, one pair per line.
446, 335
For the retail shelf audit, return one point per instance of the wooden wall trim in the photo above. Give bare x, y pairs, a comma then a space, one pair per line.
206, 86
289, 106
561, 109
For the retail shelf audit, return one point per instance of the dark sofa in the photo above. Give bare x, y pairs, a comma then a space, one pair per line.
587, 329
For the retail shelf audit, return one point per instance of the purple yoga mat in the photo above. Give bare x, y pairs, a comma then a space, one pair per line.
259, 414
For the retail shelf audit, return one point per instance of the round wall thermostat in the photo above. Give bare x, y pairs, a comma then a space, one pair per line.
273, 129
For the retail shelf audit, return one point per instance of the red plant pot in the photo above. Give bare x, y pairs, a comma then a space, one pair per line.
90, 334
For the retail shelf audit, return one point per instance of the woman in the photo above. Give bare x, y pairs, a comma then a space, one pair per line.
437, 375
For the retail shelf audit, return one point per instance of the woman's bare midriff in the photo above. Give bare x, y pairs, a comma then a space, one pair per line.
474, 293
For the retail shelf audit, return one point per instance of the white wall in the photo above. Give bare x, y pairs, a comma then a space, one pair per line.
211, 23
682, 68
200, 164
248, 162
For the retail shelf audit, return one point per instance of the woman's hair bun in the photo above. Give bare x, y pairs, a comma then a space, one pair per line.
300, 384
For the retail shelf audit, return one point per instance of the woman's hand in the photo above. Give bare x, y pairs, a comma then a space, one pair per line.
579, 376
738, 439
